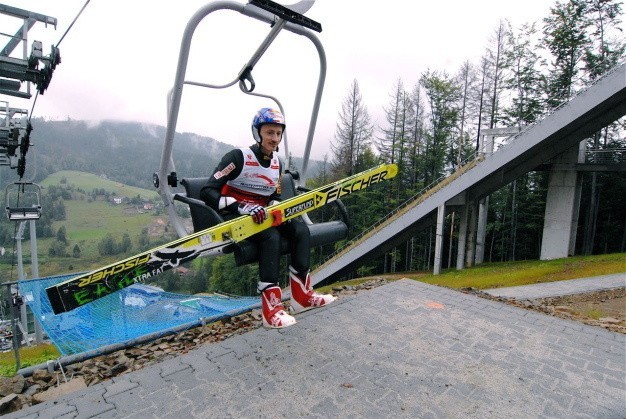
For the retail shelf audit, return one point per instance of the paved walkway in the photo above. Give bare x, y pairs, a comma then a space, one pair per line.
405, 349
558, 288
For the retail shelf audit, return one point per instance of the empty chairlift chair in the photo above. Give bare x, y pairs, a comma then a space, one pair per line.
22, 201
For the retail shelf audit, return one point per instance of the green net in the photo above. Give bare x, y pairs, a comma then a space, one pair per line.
124, 316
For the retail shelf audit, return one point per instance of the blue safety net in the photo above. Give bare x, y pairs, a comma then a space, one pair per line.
124, 316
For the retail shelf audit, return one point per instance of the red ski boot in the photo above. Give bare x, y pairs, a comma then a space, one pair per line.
302, 295
274, 314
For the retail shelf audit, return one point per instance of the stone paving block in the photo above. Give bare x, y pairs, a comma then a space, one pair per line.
127, 403
327, 407
183, 380
148, 379
141, 413
240, 346
119, 385
44, 410
92, 404
214, 350
173, 366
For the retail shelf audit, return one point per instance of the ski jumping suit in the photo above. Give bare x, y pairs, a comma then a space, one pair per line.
251, 177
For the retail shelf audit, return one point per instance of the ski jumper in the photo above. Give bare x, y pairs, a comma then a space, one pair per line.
248, 176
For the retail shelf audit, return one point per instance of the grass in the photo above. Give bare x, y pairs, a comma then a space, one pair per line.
595, 314
29, 355
89, 222
509, 274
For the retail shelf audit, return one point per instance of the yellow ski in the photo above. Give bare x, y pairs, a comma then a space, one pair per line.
85, 288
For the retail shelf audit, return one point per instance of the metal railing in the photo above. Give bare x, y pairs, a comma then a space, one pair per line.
606, 156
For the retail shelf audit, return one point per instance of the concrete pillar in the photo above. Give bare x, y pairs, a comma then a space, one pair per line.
561, 208
487, 146
460, 251
481, 230
441, 214
471, 237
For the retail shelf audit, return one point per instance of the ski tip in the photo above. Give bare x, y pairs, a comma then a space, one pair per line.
392, 170
56, 302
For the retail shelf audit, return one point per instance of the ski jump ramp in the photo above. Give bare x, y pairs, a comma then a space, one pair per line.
592, 109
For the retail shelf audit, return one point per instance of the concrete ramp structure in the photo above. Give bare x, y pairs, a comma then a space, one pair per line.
553, 141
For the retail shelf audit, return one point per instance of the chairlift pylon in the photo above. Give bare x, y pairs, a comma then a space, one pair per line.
22, 200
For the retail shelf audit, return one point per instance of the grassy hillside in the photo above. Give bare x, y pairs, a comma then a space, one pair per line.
87, 222
89, 182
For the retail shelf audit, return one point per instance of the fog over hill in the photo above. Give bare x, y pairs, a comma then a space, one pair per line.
127, 152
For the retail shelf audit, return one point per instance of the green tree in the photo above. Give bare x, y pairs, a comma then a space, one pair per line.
76, 251
606, 44
416, 141
57, 249
352, 135
524, 79
59, 213
565, 37
126, 244
389, 145
443, 95
107, 246
61, 235
394, 143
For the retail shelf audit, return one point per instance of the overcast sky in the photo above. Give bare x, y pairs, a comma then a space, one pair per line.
119, 59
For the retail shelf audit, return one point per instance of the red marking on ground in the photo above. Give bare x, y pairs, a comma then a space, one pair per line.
434, 304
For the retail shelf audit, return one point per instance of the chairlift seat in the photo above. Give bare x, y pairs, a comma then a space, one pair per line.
24, 213
245, 251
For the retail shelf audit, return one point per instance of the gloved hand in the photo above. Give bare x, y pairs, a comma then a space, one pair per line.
257, 212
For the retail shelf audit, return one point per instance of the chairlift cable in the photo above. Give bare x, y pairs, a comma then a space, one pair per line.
72, 24
57, 46
32, 109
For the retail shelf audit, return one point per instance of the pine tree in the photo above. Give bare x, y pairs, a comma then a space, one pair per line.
443, 95
392, 146
416, 141
606, 46
467, 80
524, 79
388, 145
565, 38
352, 136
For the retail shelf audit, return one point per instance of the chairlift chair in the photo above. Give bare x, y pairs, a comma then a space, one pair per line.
22, 200
289, 18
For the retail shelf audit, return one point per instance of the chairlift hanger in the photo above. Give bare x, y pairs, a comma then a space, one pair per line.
280, 18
